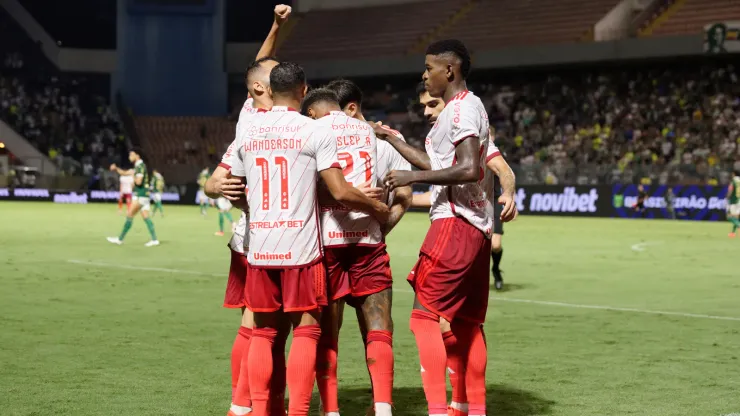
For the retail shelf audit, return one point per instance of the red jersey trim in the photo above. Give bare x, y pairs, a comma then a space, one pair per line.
262, 110
313, 262
334, 165
463, 139
459, 96
224, 165
491, 156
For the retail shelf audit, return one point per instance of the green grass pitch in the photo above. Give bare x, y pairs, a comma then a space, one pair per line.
601, 317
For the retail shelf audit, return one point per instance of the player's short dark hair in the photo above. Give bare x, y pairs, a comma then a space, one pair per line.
347, 92
138, 150
455, 47
317, 95
287, 77
420, 88
257, 65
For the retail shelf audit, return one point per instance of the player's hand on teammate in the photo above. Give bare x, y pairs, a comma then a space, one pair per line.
113, 167
282, 12
509, 212
371, 191
398, 178
230, 188
381, 131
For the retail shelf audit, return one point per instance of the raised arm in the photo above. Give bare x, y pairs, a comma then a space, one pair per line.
416, 157
352, 197
269, 46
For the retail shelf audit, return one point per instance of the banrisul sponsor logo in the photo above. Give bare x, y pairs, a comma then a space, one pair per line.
567, 201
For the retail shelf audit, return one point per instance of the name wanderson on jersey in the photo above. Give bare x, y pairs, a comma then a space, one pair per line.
280, 153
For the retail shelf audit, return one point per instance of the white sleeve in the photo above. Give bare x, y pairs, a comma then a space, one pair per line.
231, 157
466, 122
325, 149
492, 150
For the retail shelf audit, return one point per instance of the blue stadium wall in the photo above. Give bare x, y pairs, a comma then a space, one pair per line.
171, 58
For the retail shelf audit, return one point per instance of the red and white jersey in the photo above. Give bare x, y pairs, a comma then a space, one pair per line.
127, 183
281, 154
389, 159
239, 241
357, 153
463, 117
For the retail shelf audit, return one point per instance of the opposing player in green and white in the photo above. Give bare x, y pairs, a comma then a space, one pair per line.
140, 202
224, 210
157, 189
203, 200
733, 203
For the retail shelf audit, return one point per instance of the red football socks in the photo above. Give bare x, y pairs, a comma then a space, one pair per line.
433, 358
301, 369
239, 352
326, 372
380, 363
277, 386
456, 367
260, 362
476, 373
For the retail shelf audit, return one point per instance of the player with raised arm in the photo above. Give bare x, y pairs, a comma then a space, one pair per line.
450, 278
222, 185
733, 203
282, 160
157, 189
126, 187
356, 257
140, 202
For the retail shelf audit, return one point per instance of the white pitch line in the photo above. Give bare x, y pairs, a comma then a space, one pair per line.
150, 269
640, 247
495, 298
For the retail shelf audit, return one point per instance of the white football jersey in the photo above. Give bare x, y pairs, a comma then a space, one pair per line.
281, 154
239, 241
463, 117
357, 153
127, 184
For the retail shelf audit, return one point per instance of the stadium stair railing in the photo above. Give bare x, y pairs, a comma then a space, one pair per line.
655, 23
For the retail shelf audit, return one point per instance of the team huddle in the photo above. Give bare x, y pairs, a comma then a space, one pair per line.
320, 187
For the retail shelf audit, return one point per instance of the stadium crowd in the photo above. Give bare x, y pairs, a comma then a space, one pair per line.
647, 125
66, 116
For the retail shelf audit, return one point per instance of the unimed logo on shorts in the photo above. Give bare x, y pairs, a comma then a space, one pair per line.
272, 256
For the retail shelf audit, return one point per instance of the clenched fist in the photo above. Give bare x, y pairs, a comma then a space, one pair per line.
282, 12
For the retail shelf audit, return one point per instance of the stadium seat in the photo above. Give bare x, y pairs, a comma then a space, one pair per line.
691, 16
